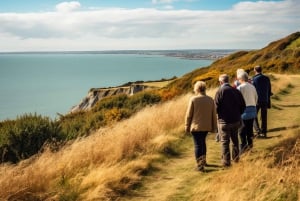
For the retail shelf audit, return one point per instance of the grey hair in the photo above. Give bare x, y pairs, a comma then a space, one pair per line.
200, 87
240, 70
224, 78
243, 76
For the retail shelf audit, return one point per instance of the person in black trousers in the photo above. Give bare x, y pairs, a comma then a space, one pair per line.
263, 87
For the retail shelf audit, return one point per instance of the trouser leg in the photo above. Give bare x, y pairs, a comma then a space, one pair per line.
264, 113
200, 147
249, 132
255, 123
225, 141
242, 134
235, 141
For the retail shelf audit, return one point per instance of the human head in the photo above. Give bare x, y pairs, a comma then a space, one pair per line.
258, 69
200, 87
224, 78
243, 76
238, 71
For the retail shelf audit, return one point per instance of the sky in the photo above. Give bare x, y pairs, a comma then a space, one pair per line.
91, 25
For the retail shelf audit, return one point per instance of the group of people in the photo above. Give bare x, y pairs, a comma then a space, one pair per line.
232, 114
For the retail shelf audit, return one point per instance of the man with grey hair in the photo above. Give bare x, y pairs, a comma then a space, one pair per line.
250, 96
230, 105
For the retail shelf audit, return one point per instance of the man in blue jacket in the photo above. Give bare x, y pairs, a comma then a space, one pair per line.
263, 87
230, 105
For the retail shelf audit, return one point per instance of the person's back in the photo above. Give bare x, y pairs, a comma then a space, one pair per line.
203, 114
263, 87
199, 120
229, 104
250, 96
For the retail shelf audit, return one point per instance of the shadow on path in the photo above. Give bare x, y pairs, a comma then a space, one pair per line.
283, 128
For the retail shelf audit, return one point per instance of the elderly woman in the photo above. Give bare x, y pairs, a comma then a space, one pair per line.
200, 119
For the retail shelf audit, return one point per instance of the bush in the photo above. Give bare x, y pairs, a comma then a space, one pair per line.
106, 111
25, 136
142, 99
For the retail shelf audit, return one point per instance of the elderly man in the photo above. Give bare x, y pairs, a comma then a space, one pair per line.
230, 105
250, 96
263, 87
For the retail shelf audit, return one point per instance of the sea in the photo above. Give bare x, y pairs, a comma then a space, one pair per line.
49, 84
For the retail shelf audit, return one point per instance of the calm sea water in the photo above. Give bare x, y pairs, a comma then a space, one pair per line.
52, 83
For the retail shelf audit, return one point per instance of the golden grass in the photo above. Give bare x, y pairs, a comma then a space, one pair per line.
159, 84
261, 179
102, 165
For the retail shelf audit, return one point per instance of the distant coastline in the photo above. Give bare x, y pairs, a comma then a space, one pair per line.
197, 54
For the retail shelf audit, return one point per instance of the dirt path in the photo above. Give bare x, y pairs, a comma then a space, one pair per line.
176, 179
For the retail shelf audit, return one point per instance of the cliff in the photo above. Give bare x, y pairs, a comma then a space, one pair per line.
97, 94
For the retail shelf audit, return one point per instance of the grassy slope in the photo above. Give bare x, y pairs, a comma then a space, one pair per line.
176, 179
281, 56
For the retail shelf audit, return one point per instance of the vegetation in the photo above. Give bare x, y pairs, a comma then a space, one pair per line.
282, 56
25, 136
105, 112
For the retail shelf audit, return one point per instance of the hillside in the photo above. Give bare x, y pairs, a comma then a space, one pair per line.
282, 56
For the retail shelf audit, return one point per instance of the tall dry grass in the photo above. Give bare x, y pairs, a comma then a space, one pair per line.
270, 176
101, 166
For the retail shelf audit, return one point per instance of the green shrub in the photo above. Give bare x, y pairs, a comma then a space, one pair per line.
25, 136
106, 111
140, 100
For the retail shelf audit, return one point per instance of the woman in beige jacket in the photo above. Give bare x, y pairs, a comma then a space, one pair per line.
200, 119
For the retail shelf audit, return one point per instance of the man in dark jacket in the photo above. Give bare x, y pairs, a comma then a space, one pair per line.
263, 87
230, 105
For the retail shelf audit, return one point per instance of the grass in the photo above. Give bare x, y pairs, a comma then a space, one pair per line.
147, 157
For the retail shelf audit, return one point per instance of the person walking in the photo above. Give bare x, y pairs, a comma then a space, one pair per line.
263, 87
230, 105
250, 97
200, 119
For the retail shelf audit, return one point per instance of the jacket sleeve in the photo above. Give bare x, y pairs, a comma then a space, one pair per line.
217, 102
214, 120
189, 116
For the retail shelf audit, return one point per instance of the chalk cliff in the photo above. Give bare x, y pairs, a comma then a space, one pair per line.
96, 94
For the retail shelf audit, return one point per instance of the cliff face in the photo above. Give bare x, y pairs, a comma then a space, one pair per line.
96, 94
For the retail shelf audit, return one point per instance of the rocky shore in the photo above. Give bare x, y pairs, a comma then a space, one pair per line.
97, 94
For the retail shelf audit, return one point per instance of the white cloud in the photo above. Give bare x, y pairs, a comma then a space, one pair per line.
68, 6
246, 25
162, 1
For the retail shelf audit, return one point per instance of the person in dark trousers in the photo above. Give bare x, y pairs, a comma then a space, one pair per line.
250, 96
263, 87
200, 119
230, 105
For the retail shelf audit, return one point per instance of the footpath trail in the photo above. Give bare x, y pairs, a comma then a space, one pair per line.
177, 179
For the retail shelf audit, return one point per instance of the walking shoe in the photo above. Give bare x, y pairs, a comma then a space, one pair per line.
200, 169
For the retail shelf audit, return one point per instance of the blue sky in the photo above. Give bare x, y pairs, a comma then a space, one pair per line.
46, 5
49, 25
